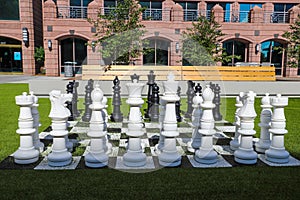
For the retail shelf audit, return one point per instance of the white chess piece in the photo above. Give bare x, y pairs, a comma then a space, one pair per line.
36, 124
245, 153
108, 146
162, 110
264, 141
206, 154
134, 157
277, 152
26, 154
235, 143
169, 155
196, 116
59, 115
97, 156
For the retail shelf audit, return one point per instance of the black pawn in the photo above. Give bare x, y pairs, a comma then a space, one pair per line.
69, 103
177, 106
151, 78
190, 95
76, 113
88, 101
135, 76
116, 116
217, 101
155, 103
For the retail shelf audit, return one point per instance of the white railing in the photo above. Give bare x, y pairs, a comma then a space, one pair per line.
276, 17
72, 12
190, 15
153, 14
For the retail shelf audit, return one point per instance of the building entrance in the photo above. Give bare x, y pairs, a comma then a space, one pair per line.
10, 55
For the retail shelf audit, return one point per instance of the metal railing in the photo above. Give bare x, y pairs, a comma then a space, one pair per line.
276, 17
72, 12
190, 15
152, 14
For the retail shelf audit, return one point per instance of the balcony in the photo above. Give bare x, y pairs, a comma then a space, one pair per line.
75, 12
190, 15
276, 17
153, 14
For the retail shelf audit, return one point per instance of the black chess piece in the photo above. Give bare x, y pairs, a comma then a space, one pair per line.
151, 79
134, 76
88, 101
69, 90
217, 101
190, 95
177, 106
116, 116
198, 88
75, 110
155, 104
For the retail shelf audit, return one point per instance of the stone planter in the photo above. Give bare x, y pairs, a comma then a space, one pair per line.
291, 72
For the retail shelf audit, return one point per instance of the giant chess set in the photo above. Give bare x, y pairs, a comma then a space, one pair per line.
201, 138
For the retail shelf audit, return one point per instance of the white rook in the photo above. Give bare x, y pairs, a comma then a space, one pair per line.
26, 154
277, 152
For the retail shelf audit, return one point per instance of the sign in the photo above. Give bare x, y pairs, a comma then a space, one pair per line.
17, 55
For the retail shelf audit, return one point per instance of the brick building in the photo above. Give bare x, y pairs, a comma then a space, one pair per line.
252, 30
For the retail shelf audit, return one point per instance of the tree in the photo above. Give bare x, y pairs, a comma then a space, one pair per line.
293, 49
202, 43
119, 32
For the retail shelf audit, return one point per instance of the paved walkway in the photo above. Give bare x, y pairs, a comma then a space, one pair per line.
42, 85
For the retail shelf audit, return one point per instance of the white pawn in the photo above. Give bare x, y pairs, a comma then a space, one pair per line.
206, 154
169, 155
26, 154
245, 153
59, 115
134, 157
36, 124
97, 156
277, 152
196, 116
264, 141
235, 143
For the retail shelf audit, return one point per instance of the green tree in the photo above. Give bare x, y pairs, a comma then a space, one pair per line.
119, 32
293, 48
201, 43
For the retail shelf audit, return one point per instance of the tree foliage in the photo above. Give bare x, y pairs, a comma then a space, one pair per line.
202, 43
119, 31
293, 49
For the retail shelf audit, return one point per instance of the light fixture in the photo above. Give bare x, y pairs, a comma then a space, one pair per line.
257, 48
93, 45
49, 44
177, 47
25, 36
218, 47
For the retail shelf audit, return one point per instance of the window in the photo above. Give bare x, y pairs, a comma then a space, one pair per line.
157, 52
225, 6
245, 9
153, 10
280, 14
9, 10
235, 48
78, 8
190, 10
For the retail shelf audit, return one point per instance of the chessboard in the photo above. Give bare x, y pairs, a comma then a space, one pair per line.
116, 135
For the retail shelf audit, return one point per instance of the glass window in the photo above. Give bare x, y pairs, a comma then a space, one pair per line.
245, 9
79, 2
235, 48
153, 10
190, 10
225, 6
9, 10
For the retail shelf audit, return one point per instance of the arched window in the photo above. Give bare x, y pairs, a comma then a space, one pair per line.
73, 50
157, 52
235, 49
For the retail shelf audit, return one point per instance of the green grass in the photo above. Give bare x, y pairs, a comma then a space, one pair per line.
245, 182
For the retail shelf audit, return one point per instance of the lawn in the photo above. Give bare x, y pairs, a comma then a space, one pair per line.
177, 183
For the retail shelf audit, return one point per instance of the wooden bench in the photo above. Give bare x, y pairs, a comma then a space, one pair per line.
197, 73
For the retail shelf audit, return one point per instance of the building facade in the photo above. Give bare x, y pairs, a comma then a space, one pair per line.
253, 31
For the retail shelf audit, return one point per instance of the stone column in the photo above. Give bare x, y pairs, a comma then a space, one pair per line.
277, 152
26, 154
